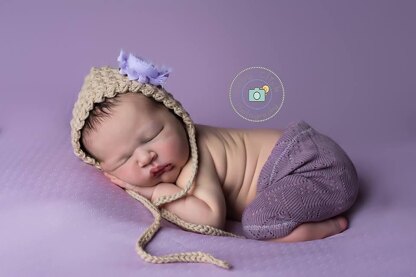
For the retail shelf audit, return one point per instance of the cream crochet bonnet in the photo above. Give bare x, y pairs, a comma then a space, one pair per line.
142, 77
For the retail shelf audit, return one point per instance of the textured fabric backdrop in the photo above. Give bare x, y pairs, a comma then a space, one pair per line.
347, 68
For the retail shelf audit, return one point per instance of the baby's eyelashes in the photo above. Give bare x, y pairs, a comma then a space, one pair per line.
150, 138
147, 140
142, 141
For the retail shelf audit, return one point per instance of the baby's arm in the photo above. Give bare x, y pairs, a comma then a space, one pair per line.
189, 207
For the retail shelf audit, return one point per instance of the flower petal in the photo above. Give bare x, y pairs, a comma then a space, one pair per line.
122, 59
139, 69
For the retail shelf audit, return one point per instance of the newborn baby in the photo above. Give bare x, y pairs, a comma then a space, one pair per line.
284, 185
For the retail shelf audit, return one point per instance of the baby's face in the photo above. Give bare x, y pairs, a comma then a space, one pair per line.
137, 138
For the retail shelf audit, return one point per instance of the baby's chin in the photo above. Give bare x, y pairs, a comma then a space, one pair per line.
170, 176
163, 179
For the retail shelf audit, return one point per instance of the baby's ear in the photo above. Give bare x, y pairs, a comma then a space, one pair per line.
114, 179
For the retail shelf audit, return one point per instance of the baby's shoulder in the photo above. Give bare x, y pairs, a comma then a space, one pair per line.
206, 185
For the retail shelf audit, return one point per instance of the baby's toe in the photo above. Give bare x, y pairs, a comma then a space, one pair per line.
341, 223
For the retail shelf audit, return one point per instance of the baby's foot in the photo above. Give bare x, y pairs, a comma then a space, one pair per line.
316, 230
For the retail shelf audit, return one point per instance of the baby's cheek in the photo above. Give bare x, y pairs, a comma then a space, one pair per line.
175, 149
128, 174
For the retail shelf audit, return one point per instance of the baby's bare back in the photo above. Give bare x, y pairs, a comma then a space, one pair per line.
238, 156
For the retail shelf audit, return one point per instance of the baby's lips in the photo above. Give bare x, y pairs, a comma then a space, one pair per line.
160, 169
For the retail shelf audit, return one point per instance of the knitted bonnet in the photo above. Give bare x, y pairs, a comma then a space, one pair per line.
139, 76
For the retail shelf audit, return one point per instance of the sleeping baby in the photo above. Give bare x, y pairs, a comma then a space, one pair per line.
283, 185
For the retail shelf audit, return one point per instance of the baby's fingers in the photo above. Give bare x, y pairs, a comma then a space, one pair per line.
115, 180
146, 192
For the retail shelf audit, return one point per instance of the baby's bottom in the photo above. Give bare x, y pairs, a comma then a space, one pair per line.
307, 178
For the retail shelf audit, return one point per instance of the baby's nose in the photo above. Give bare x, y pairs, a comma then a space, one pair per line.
147, 158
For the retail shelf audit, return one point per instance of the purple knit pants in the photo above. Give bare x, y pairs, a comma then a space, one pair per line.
306, 178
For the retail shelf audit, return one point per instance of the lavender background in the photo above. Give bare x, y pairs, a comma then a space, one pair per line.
347, 68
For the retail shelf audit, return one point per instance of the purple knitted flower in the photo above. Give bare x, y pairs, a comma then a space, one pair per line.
137, 68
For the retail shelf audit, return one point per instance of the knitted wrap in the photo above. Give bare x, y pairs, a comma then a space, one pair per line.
106, 82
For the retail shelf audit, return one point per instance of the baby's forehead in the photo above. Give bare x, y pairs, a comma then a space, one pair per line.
141, 109
139, 100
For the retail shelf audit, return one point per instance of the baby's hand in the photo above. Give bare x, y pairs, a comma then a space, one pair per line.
146, 192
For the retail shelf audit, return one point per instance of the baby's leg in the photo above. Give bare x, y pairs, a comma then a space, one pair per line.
294, 200
308, 178
315, 230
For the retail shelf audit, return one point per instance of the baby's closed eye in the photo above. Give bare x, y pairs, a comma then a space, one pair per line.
143, 140
151, 137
